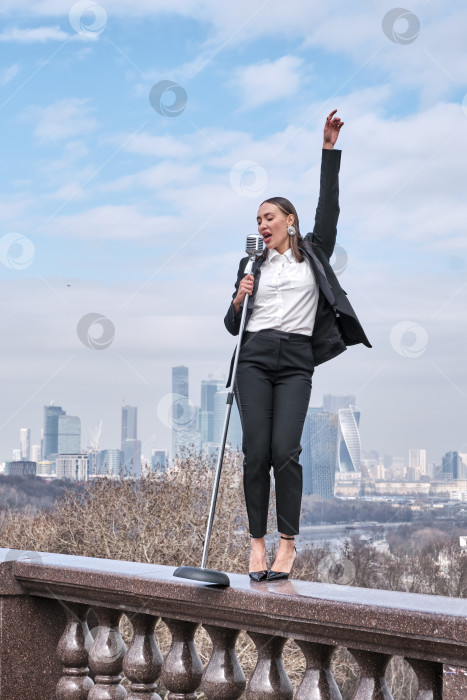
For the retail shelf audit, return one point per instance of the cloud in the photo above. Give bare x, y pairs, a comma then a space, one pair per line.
66, 118
435, 62
112, 222
145, 144
7, 74
268, 81
34, 34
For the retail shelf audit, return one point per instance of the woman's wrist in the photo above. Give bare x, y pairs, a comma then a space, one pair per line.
328, 146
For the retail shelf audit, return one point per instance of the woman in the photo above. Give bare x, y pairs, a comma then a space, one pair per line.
298, 316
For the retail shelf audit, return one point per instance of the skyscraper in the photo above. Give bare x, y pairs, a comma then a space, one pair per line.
234, 433
131, 446
185, 416
35, 453
159, 460
50, 439
348, 436
333, 402
69, 435
111, 462
209, 388
417, 463
129, 423
318, 458
25, 443
132, 458
451, 463
348, 441
180, 380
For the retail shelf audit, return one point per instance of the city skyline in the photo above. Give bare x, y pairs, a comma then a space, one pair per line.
176, 412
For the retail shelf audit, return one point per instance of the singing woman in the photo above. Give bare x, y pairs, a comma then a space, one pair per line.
298, 316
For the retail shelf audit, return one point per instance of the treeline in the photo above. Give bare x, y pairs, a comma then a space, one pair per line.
32, 493
335, 511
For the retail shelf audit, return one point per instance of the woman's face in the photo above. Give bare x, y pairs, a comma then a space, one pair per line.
272, 226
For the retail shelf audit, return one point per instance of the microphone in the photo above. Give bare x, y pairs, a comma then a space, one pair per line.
254, 245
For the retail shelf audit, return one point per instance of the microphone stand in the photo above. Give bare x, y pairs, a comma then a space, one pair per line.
202, 573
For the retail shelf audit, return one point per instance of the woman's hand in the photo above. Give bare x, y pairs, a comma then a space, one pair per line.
331, 130
245, 287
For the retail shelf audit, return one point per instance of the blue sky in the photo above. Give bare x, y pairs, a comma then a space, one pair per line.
141, 217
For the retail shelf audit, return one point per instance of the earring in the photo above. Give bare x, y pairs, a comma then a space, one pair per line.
291, 230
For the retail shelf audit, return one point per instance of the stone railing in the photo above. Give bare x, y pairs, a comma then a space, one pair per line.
45, 654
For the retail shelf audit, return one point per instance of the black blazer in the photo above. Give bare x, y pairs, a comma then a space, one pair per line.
336, 323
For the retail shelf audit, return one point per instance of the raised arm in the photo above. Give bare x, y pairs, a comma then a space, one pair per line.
327, 211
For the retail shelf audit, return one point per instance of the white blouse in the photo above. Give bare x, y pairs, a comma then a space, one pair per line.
287, 295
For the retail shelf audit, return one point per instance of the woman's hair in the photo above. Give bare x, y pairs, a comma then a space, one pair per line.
287, 208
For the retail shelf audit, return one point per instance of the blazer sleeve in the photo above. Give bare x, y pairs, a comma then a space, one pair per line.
232, 320
327, 212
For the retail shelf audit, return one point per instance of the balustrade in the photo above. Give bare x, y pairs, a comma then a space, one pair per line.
428, 631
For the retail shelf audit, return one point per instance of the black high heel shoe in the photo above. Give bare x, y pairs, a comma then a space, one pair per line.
280, 575
258, 575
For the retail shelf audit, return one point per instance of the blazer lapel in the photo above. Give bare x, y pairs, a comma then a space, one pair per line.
320, 274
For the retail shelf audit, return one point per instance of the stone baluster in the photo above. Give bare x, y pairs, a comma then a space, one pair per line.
143, 661
372, 684
318, 682
106, 656
223, 678
183, 669
269, 680
430, 679
75, 683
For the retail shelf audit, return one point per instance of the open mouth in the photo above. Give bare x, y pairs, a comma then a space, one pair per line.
266, 237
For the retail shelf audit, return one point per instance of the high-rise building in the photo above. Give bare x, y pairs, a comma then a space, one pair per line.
131, 446
209, 388
159, 460
72, 466
35, 453
129, 423
234, 432
319, 448
333, 402
50, 438
93, 463
111, 463
69, 435
185, 416
25, 443
462, 465
180, 380
16, 454
132, 457
417, 462
348, 441
348, 436
451, 462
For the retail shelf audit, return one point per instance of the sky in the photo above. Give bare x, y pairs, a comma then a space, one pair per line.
139, 139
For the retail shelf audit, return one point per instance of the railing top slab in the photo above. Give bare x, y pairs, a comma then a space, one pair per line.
430, 627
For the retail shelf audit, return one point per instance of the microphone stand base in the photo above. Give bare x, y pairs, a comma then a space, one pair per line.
205, 575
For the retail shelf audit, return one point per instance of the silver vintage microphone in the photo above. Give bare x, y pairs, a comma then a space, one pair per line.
254, 247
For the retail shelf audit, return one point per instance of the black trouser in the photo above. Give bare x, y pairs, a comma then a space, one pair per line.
272, 388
